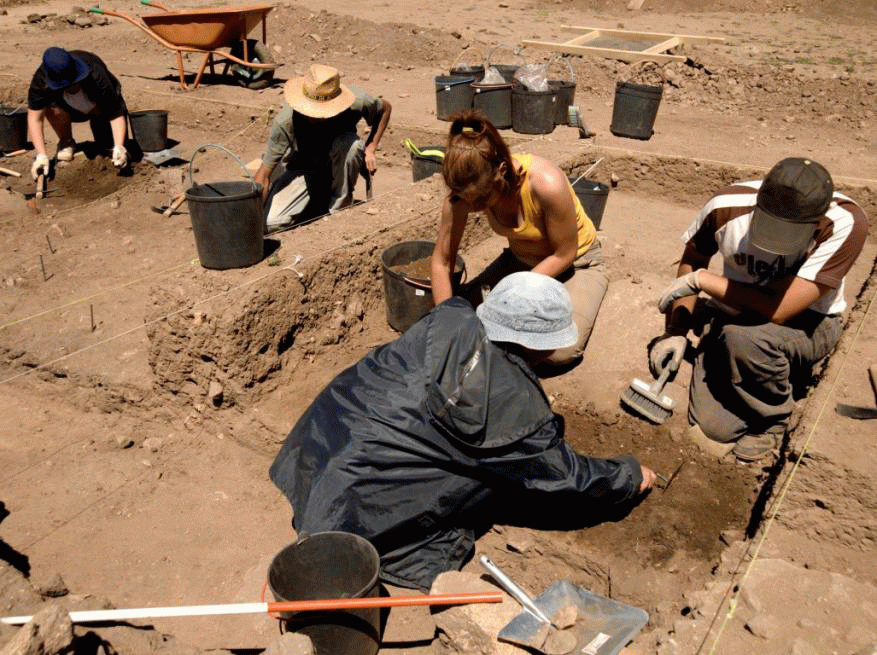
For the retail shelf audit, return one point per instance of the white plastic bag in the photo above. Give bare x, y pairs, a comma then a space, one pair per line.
492, 76
533, 77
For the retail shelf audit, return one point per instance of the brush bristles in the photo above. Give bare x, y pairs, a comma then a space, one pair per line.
645, 406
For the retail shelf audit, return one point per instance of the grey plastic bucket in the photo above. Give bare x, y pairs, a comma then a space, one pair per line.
330, 565
635, 109
453, 94
423, 167
13, 128
494, 101
533, 112
149, 129
410, 298
593, 196
566, 96
228, 223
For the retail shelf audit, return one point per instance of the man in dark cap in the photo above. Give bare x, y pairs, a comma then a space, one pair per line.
408, 446
786, 244
73, 87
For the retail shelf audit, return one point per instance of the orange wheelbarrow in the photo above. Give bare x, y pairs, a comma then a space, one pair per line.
205, 31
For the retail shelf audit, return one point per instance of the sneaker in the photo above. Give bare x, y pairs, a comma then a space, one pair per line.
65, 150
753, 447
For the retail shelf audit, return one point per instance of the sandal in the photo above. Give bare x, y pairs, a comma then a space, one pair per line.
753, 447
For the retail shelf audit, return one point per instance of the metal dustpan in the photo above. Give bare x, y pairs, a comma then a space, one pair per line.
602, 626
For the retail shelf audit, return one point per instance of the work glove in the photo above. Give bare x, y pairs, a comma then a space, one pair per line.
667, 352
120, 156
40, 166
685, 285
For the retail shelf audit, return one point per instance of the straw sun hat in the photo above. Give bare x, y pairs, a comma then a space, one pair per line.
319, 93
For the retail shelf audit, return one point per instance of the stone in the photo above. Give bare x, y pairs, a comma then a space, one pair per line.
559, 642
55, 587
291, 643
764, 626
801, 647
565, 617
215, 393
49, 631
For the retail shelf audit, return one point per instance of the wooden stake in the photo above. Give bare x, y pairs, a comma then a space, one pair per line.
51, 249
43, 266
16, 153
91, 309
9, 171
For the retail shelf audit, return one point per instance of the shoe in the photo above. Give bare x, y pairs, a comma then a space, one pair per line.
717, 449
753, 447
66, 149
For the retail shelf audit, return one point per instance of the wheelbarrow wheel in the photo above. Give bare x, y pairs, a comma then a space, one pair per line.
258, 53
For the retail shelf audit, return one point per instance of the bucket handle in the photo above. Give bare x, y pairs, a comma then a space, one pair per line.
505, 46
203, 148
562, 59
475, 49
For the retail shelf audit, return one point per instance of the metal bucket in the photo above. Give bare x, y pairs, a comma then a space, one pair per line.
149, 129
330, 565
410, 298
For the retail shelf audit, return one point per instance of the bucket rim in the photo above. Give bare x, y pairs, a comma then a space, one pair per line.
594, 183
142, 112
252, 189
305, 537
636, 86
459, 265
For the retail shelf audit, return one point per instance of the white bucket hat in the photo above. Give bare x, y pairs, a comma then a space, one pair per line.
530, 309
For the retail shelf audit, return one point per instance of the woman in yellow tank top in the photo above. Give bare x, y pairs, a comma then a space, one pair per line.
529, 201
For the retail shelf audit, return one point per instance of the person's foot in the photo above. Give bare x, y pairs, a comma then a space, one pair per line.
754, 447
66, 149
717, 449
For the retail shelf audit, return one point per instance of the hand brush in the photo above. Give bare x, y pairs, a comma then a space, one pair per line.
648, 400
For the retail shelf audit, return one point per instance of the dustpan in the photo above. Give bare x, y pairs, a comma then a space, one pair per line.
603, 627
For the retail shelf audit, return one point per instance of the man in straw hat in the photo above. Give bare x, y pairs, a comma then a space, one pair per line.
786, 243
431, 436
72, 87
315, 136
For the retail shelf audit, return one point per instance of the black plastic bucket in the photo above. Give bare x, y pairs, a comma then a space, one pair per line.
228, 223
330, 565
495, 102
453, 93
533, 112
593, 196
423, 167
566, 95
475, 71
410, 298
13, 128
507, 71
149, 129
635, 109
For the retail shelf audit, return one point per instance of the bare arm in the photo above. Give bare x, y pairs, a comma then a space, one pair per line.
374, 138
35, 121
447, 243
776, 302
551, 189
263, 177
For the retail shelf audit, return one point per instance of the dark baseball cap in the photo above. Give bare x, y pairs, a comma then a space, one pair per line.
63, 69
794, 195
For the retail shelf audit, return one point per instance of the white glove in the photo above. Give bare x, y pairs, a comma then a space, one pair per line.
40, 166
120, 156
685, 285
667, 352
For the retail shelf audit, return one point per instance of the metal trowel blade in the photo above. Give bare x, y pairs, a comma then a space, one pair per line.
855, 412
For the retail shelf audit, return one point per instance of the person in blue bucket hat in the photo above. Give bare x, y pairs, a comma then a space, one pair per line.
72, 87
421, 443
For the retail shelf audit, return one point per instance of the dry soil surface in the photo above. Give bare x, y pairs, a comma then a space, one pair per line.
143, 396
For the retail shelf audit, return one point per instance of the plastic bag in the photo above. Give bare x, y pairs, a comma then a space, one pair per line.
492, 76
533, 77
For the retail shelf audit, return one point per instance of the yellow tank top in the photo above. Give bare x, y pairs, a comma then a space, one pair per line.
530, 231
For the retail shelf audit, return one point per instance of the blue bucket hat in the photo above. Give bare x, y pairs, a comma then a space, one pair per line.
63, 69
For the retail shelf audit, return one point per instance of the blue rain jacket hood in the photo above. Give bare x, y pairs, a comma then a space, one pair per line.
401, 445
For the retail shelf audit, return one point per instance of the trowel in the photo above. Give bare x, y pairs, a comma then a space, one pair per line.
598, 625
